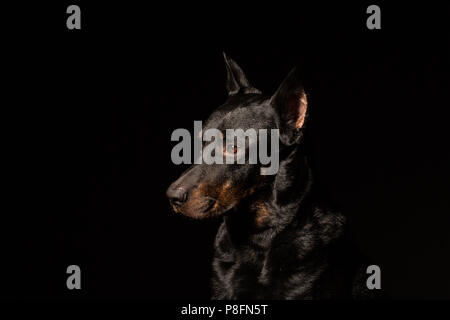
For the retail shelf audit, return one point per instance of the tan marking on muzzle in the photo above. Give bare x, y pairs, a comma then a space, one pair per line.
262, 213
229, 195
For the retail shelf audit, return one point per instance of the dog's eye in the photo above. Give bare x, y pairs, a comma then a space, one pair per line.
231, 148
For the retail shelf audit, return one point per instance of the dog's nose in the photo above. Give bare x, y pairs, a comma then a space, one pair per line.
177, 195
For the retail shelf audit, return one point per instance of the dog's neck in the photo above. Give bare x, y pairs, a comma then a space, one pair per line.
276, 205
290, 190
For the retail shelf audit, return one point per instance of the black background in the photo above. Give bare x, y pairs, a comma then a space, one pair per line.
87, 138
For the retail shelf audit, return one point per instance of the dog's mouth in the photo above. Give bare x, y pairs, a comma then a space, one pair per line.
196, 208
205, 201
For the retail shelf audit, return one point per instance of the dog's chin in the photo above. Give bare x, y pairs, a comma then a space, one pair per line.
210, 209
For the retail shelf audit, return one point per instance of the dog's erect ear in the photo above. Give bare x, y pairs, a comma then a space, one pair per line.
291, 105
236, 80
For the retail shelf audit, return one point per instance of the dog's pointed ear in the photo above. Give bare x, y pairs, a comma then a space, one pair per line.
291, 104
236, 79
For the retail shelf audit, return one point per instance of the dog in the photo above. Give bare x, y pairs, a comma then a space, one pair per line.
276, 240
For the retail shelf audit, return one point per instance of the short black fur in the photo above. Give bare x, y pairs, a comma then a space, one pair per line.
277, 241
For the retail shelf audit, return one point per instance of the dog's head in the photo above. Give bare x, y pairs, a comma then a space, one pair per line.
206, 190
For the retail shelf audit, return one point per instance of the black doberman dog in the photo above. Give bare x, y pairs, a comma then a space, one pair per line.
276, 240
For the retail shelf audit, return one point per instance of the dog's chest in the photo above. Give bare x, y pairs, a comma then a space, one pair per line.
254, 273
243, 273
